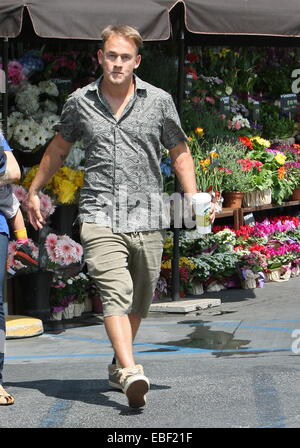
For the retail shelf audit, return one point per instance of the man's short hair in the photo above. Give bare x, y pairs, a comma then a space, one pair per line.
125, 31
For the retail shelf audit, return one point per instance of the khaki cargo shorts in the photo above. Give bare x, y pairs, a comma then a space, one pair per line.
125, 266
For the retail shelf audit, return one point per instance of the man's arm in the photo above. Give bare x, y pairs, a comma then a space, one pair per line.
55, 154
12, 172
183, 165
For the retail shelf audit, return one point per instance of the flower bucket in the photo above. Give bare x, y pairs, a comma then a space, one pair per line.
68, 312
215, 286
78, 309
233, 199
196, 288
295, 271
56, 315
32, 292
88, 305
256, 198
296, 195
248, 279
278, 275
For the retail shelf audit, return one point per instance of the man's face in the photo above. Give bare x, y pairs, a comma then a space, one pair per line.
118, 59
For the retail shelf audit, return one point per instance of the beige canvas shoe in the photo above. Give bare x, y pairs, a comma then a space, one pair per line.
135, 385
114, 375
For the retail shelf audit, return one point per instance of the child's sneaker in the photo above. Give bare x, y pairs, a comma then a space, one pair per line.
24, 254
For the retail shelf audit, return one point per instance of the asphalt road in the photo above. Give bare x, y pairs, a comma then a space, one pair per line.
233, 366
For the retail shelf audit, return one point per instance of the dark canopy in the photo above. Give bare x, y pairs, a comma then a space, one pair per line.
84, 19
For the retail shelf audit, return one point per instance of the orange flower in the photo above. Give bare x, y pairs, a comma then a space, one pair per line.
246, 141
281, 172
199, 131
204, 162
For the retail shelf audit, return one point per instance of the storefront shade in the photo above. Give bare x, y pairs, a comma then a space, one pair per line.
84, 19
78, 19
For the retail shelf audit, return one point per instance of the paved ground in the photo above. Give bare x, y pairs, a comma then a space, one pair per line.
233, 366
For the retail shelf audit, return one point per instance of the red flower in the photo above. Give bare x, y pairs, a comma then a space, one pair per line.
192, 57
247, 142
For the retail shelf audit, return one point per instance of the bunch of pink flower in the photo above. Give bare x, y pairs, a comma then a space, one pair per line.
268, 227
15, 72
248, 164
283, 249
62, 250
46, 202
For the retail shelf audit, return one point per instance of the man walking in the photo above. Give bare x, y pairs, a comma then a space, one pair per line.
123, 122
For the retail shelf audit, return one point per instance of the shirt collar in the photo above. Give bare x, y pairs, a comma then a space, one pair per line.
140, 84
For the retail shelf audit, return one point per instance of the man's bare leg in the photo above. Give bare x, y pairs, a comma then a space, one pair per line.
121, 331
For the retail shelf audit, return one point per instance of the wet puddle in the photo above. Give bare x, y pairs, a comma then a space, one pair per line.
220, 342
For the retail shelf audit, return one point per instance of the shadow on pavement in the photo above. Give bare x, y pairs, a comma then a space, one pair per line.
230, 295
88, 391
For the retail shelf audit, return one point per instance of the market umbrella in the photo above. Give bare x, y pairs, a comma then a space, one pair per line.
77, 19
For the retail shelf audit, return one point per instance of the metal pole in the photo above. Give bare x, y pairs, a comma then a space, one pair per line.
5, 94
176, 254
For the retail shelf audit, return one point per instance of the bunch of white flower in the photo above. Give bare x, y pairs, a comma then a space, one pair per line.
238, 122
48, 87
27, 99
28, 134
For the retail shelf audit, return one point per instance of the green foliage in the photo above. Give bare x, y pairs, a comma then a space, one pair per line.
206, 117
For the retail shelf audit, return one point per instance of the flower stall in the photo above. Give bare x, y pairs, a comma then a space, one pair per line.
243, 140
268, 250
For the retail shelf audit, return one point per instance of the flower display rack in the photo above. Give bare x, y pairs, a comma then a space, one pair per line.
239, 213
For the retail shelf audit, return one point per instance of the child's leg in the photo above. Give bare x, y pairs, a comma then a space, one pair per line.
24, 251
18, 225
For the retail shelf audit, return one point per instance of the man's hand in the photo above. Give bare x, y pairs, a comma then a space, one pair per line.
212, 212
34, 211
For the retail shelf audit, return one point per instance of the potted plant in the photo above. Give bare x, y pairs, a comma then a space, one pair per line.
60, 297
80, 288
235, 181
209, 176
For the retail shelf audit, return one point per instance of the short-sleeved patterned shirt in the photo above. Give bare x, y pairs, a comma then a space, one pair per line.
123, 183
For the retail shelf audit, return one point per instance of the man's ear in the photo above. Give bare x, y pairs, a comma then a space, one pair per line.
138, 61
100, 56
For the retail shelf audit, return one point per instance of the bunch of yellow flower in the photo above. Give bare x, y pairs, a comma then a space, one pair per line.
183, 262
204, 163
168, 244
280, 158
260, 143
63, 185
199, 132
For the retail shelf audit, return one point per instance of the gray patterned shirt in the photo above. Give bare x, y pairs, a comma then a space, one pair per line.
123, 182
